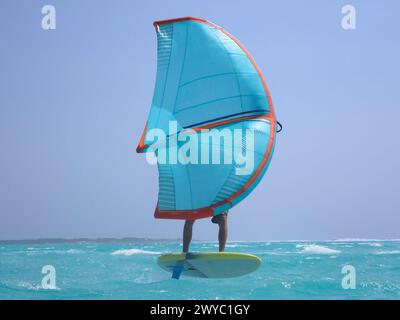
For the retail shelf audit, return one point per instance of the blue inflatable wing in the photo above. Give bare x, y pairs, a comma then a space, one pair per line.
206, 79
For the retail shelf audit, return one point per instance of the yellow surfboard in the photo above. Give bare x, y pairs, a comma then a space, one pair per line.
209, 264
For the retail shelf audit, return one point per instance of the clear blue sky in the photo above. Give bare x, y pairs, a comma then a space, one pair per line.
73, 103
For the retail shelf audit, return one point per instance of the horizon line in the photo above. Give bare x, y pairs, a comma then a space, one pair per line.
144, 239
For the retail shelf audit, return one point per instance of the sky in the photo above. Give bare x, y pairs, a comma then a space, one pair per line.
74, 101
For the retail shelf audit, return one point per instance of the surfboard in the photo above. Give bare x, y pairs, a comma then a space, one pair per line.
209, 264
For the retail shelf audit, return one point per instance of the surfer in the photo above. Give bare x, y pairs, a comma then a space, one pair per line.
220, 219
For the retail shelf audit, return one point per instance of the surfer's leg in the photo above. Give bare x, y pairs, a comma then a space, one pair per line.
223, 231
187, 234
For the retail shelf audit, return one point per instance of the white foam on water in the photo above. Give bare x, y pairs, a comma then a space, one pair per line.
313, 258
276, 253
35, 287
286, 285
365, 240
74, 251
231, 245
342, 244
36, 251
129, 252
387, 252
29, 286
315, 249
236, 245
371, 244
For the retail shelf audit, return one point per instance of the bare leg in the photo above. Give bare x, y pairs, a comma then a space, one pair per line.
223, 231
187, 234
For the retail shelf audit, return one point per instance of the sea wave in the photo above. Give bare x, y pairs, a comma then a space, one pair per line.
228, 245
315, 249
129, 252
365, 240
275, 253
40, 251
74, 251
387, 252
35, 287
371, 244
236, 245
313, 258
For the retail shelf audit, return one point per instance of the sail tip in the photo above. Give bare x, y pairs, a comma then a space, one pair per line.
141, 149
159, 22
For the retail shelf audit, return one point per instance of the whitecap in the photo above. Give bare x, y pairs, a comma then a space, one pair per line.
365, 240
129, 252
74, 251
371, 244
236, 245
35, 287
275, 253
313, 258
43, 251
316, 249
388, 252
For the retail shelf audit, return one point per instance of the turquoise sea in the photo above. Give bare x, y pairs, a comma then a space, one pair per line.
289, 270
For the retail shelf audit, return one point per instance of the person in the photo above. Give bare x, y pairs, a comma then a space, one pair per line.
220, 219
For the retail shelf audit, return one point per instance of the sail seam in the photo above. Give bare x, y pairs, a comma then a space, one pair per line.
219, 99
169, 31
233, 67
215, 75
225, 117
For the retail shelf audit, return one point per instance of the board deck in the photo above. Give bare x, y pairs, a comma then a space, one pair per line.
209, 264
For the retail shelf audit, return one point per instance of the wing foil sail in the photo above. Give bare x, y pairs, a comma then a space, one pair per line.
206, 79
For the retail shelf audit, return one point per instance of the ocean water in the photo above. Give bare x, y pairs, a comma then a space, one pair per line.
289, 270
